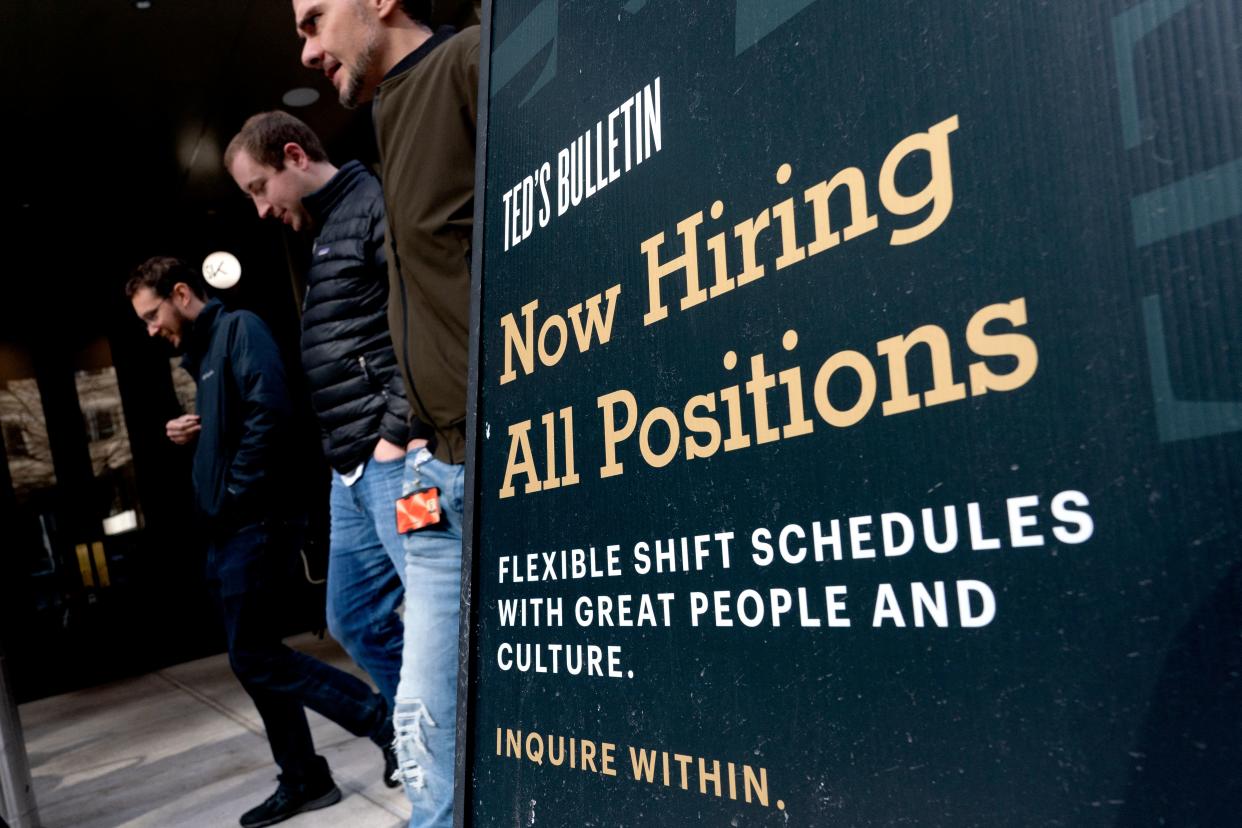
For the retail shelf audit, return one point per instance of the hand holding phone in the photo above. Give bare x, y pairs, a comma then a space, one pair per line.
183, 429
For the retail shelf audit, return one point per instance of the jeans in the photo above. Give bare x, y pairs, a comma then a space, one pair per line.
248, 572
366, 562
426, 712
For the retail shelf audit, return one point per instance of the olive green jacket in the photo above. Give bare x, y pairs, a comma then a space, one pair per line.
425, 114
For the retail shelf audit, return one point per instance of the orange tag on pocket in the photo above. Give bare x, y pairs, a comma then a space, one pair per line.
418, 510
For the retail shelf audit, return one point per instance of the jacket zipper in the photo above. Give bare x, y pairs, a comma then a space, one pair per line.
370, 378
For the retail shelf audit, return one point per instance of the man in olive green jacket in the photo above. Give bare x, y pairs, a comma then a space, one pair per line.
424, 88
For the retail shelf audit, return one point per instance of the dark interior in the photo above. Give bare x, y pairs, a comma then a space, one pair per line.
118, 113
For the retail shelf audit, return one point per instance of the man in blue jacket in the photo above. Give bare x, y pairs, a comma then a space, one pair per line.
241, 429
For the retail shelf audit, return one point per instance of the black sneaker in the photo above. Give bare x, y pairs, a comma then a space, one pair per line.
289, 801
383, 737
392, 778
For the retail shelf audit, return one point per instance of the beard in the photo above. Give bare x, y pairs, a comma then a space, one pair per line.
363, 65
184, 334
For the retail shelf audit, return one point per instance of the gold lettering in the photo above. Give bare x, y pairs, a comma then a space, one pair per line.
1019, 346
519, 443
897, 349
866, 375
939, 190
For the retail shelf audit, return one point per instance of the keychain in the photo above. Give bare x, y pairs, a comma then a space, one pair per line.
421, 507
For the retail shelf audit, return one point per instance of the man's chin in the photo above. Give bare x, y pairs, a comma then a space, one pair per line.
352, 94
348, 100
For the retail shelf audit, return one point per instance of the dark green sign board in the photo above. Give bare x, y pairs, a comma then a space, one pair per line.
859, 406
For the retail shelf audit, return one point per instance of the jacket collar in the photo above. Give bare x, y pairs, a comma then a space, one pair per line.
409, 61
323, 201
200, 336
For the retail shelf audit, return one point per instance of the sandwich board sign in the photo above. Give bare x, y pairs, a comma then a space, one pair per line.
857, 415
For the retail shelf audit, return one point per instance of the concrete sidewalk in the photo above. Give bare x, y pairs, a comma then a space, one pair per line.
184, 747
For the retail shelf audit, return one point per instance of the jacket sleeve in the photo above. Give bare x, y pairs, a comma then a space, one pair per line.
265, 411
472, 79
375, 249
398, 424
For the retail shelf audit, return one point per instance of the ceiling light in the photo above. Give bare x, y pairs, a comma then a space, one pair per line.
302, 96
142, 5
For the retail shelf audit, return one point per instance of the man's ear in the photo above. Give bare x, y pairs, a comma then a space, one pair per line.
295, 156
385, 9
181, 294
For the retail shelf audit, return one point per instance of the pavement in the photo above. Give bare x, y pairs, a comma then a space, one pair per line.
184, 746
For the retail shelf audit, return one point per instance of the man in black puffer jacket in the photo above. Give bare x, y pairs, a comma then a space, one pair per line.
347, 354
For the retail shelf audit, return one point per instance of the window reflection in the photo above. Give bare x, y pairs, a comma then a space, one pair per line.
28, 454
112, 460
25, 439
183, 385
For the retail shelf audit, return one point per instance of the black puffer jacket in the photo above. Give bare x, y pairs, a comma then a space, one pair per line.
346, 349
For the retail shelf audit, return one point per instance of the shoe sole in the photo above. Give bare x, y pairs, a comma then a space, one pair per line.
330, 798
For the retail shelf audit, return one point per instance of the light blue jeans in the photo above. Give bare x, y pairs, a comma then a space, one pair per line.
426, 714
366, 562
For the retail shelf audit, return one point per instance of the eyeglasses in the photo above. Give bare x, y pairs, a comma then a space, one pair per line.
150, 316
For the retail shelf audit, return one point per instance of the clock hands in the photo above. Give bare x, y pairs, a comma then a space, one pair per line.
221, 269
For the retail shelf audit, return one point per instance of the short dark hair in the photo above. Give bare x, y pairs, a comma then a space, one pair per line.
417, 10
263, 137
162, 274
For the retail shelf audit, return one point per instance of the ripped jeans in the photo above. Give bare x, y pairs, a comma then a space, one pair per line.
425, 719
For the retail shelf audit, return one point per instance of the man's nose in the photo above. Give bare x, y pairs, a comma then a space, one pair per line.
264, 208
312, 55
153, 328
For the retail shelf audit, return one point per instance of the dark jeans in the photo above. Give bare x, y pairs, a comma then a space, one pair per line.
248, 572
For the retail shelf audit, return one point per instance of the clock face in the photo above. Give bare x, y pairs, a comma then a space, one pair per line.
221, 270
